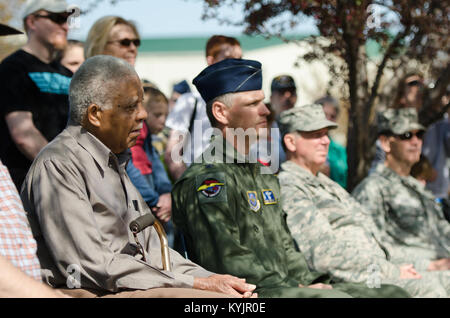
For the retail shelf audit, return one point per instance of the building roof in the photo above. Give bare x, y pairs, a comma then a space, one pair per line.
195, 44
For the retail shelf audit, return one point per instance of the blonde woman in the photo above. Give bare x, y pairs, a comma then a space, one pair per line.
112, 35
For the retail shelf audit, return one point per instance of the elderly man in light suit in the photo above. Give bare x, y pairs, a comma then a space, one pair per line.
80, 200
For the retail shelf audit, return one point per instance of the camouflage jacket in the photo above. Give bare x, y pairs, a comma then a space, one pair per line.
406, 215
231, 218
331, 229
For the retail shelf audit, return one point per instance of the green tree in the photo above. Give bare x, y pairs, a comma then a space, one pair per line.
405, 30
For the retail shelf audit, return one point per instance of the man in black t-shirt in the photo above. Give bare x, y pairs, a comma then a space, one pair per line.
34, 91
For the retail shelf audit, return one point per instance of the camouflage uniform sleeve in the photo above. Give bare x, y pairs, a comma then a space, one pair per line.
370, 196
443, 226
403, 254
212, 233
323, 249
298, 268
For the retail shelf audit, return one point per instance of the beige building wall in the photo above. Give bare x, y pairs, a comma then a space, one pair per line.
165, 69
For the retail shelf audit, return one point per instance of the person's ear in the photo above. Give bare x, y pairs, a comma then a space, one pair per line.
220, 112
385, 143
29, 22
289, 142
210, 60
94, 115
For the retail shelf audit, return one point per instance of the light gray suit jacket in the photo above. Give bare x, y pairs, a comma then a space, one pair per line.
79, 202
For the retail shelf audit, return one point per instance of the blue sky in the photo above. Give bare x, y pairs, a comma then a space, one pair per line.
154, 18
159, 18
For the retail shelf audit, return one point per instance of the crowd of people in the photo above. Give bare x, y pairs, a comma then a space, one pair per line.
88, 148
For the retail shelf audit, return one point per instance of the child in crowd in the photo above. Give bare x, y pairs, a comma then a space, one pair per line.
73, 55
145, 168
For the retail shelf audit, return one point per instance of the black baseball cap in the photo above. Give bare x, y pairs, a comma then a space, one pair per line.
283, 82
7, 30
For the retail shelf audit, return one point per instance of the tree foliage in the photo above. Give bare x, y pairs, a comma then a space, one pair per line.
409, 33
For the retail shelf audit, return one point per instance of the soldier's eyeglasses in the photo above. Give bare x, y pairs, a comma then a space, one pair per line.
408, 135
127, 42
58, 18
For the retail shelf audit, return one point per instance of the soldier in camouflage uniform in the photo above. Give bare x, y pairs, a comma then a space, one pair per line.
229, 212
334, 232
406, 214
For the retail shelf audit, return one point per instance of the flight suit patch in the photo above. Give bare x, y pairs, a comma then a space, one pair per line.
253, 201
211, 188
268, 196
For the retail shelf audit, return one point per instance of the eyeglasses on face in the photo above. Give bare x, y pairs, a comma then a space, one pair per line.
58, 18
408, 135
127, 42
414, 83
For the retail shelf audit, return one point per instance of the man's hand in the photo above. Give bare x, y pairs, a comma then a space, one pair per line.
227, 284
317, 286
442, 264
163, 209
409, 272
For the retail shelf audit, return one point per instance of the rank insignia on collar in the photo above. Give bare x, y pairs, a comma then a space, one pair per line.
268, 196
253, 201
210, 187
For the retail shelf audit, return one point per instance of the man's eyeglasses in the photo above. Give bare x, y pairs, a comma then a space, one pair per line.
58, 18
408, 135
127, 42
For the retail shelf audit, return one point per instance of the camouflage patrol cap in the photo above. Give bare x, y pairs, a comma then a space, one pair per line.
398, 121
309, 117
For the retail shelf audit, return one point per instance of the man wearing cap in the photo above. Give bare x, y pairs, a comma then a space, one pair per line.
405, 213
34, 88
283, 97
188, 118
334, 232
336, 165
20, 272
178, 89
229, 211
283, 94
269, 148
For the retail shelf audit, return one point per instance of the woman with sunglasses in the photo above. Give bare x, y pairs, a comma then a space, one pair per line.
410, 91
112, 35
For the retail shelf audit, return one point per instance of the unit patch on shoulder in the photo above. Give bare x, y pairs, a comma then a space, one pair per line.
268, 196
253, 201
211, 187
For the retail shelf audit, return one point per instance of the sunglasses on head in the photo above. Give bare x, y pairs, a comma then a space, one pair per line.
408, 135
414, 83
58, 18
127, 42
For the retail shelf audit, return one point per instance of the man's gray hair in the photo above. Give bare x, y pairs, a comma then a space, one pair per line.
95, 82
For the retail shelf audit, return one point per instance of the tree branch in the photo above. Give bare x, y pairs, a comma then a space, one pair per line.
387, 55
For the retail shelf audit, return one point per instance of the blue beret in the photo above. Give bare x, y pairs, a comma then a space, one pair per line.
182, 87
229, 76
